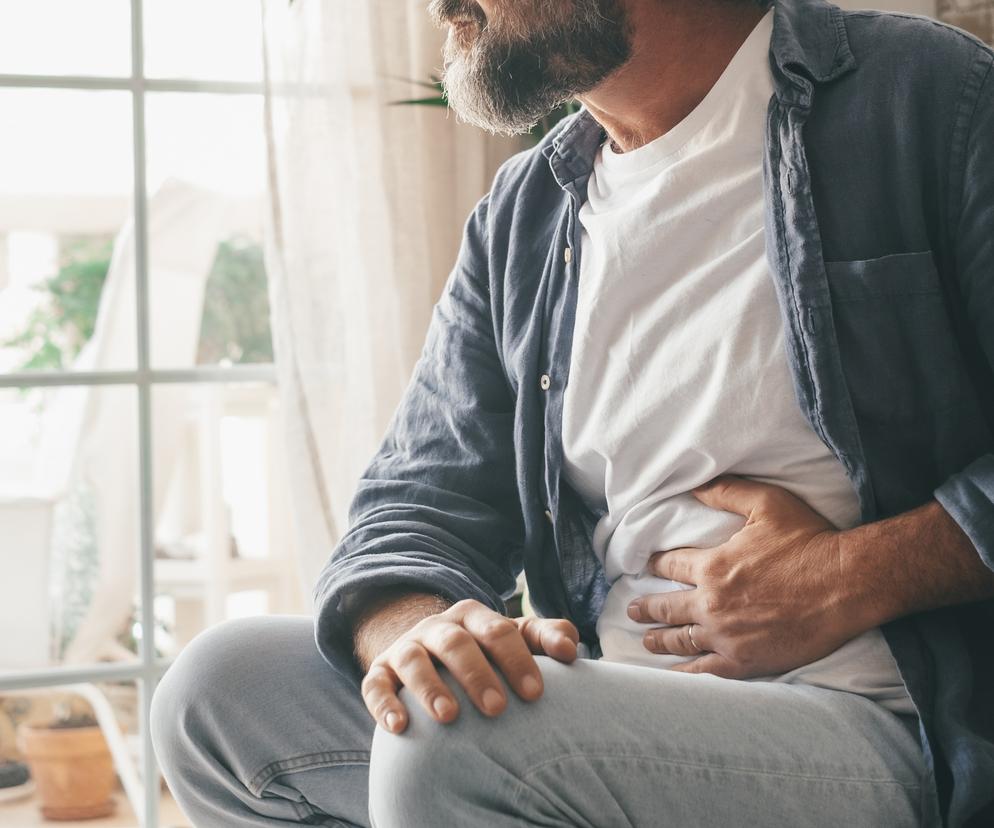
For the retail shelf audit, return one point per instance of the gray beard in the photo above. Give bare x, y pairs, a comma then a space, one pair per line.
506, 85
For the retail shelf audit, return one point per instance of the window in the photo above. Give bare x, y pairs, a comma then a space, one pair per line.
140, 493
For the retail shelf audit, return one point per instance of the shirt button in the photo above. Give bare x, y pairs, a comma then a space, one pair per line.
568, 255
545, 382
548, 514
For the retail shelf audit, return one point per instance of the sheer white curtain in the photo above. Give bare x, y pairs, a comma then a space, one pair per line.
368, 204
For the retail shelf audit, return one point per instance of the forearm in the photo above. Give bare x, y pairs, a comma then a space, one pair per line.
916, 561
385, 619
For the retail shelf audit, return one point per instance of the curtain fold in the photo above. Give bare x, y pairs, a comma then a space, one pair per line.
368, 202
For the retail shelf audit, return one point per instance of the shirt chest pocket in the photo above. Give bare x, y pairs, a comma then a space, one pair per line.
896, 343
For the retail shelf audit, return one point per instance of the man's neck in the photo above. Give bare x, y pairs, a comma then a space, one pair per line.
680, 49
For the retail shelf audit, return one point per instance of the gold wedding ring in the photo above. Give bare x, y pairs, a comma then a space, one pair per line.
690, 635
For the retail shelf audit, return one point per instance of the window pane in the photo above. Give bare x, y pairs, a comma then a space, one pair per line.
223, 544
65, 37
206, 184
69, 526
215, 40
65, 211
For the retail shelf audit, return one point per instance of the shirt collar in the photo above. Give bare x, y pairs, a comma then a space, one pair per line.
809, 45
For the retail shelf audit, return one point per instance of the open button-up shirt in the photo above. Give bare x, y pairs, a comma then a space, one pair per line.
879, 174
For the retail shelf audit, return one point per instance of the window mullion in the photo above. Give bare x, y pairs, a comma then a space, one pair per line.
147, 669
150, 771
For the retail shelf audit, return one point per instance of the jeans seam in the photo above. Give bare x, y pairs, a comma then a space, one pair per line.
524, 784
307, 761
306, 814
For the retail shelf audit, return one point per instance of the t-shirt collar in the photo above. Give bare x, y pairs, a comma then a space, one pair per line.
809, 45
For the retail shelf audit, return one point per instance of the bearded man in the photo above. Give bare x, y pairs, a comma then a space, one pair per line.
715, 369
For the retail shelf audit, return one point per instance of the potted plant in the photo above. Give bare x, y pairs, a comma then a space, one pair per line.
71, 766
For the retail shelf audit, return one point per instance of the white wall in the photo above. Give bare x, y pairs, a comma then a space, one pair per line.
909, 6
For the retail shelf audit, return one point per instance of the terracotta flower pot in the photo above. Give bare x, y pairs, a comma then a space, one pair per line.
72, 768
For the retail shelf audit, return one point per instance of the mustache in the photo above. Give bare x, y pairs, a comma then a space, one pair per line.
445, 11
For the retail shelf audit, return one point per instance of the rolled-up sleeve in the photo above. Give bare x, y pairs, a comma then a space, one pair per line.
968, 495
437, 509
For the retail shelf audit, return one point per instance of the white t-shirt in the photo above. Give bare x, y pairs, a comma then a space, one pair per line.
679, 371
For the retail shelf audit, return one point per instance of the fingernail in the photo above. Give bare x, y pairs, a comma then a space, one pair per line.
634, 611
393, 720
491, 700
531, 686
443, 707
649, 641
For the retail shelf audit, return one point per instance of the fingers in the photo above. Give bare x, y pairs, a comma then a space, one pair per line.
412, 664
554, 637
501, 639
685, 566
712, 663
470, 640
455, 647
670, 608
729, 493
680, 640
379, 692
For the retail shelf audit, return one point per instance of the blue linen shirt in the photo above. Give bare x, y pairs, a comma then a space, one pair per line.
879, 176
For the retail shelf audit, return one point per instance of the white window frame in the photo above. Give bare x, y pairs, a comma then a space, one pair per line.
147, 670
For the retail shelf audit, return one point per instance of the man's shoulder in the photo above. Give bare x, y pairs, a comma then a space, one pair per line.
913, 84
934, 53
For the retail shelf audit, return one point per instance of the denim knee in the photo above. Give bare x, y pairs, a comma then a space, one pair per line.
418, 776
204, 678
253, 727
460, 773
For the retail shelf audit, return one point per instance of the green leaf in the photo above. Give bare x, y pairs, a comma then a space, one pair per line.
421, 102
56, 331
235, 322
435, 85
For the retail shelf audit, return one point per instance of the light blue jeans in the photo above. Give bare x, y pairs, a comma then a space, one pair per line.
252, 728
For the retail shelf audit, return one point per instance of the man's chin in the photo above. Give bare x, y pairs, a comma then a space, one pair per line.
479, 114
479, 95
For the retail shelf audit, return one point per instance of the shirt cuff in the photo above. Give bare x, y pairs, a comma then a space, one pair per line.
968, 496
341, 593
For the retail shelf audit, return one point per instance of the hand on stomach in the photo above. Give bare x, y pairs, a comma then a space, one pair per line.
620, 636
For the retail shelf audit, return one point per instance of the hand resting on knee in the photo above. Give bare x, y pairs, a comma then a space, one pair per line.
469, 639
